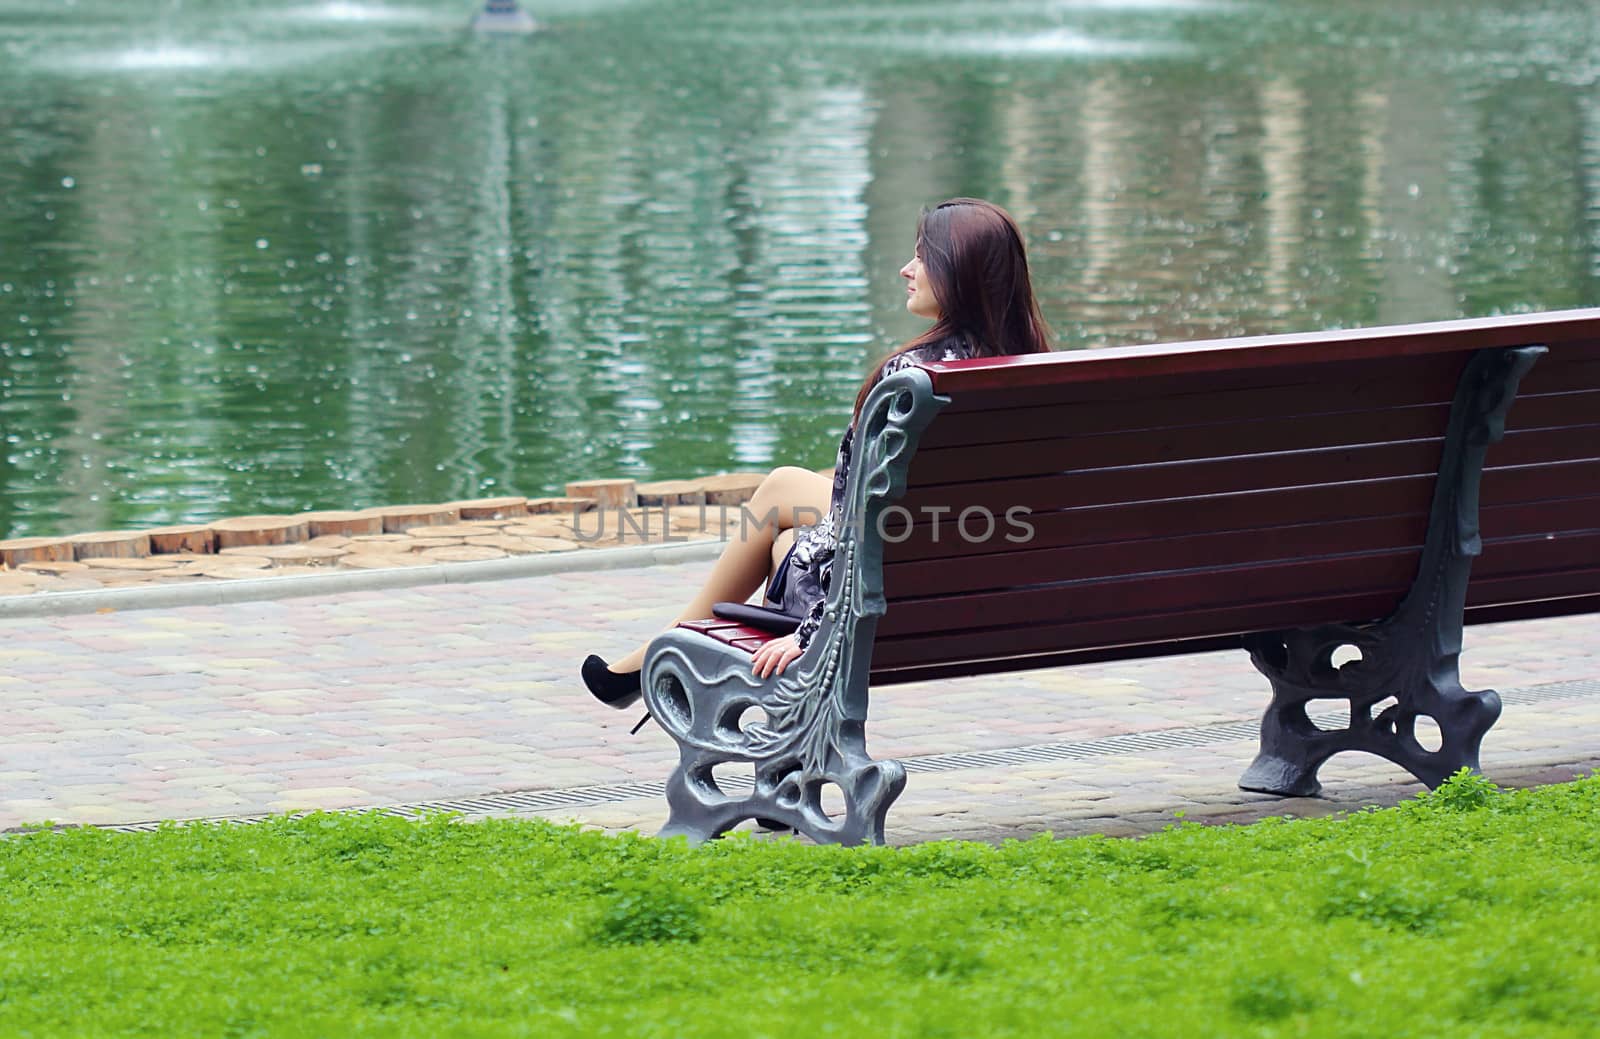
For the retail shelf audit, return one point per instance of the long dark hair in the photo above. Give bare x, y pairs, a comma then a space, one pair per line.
973, 257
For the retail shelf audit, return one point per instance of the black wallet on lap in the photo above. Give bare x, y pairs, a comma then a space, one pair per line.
764, 617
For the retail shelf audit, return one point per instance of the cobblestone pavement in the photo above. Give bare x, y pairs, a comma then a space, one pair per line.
451, 691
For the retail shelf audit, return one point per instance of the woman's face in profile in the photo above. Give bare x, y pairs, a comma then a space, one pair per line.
919, 290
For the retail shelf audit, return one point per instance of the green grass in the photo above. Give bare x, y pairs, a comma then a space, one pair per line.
1470, 912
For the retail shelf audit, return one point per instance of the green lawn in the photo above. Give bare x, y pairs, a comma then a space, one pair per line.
1472, 912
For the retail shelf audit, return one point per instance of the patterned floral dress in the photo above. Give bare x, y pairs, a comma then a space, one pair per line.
809, 565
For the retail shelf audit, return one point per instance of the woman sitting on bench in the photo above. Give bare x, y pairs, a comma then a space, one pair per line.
969, 276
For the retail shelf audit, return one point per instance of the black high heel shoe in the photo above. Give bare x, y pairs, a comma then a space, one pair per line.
610, 688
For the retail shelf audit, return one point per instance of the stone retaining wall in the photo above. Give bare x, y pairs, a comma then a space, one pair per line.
593, 514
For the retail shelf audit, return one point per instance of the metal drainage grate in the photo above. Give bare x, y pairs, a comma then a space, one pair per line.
1108, 746
1553, 691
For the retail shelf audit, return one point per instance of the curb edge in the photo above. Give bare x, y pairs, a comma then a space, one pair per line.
218, 593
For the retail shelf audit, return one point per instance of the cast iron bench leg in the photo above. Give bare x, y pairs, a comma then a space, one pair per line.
814, 730
1411, 656
700, 690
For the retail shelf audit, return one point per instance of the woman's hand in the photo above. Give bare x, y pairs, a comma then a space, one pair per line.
776, 655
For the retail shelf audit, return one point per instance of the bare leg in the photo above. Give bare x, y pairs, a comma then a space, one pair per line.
787, 498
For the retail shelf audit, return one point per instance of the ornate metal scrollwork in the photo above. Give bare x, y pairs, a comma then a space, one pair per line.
814, 732
1412, 655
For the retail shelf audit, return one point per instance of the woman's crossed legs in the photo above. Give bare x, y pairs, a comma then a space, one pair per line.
789, 497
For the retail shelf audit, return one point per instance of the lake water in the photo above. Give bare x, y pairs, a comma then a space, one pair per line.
271, 256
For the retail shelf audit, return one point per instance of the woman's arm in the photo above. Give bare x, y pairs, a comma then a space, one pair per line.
812, 621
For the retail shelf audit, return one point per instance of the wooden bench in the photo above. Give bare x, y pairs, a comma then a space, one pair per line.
1289, 495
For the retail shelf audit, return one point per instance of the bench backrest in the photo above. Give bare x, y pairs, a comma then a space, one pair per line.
1181, 496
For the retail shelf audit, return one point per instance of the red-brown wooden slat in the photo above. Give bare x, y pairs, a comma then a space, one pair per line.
1044, 636
1522, 611
964, 422
956, 669
1526, 483
732, 633
1496, 522
1235, 433
1543, 446
938, 577
709, 626
1547, 410
1556, 373
1557, 330
1531, 587
1375, 572
725, 630
1575, 351
1511, 557
1175, 517
1213, 476
1240, 436
1348, 385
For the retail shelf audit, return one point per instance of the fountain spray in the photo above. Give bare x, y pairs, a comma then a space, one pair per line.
503, 16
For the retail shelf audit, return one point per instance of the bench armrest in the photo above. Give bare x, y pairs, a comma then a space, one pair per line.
813, 733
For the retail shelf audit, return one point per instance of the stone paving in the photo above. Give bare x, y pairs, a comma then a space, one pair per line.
396, 697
